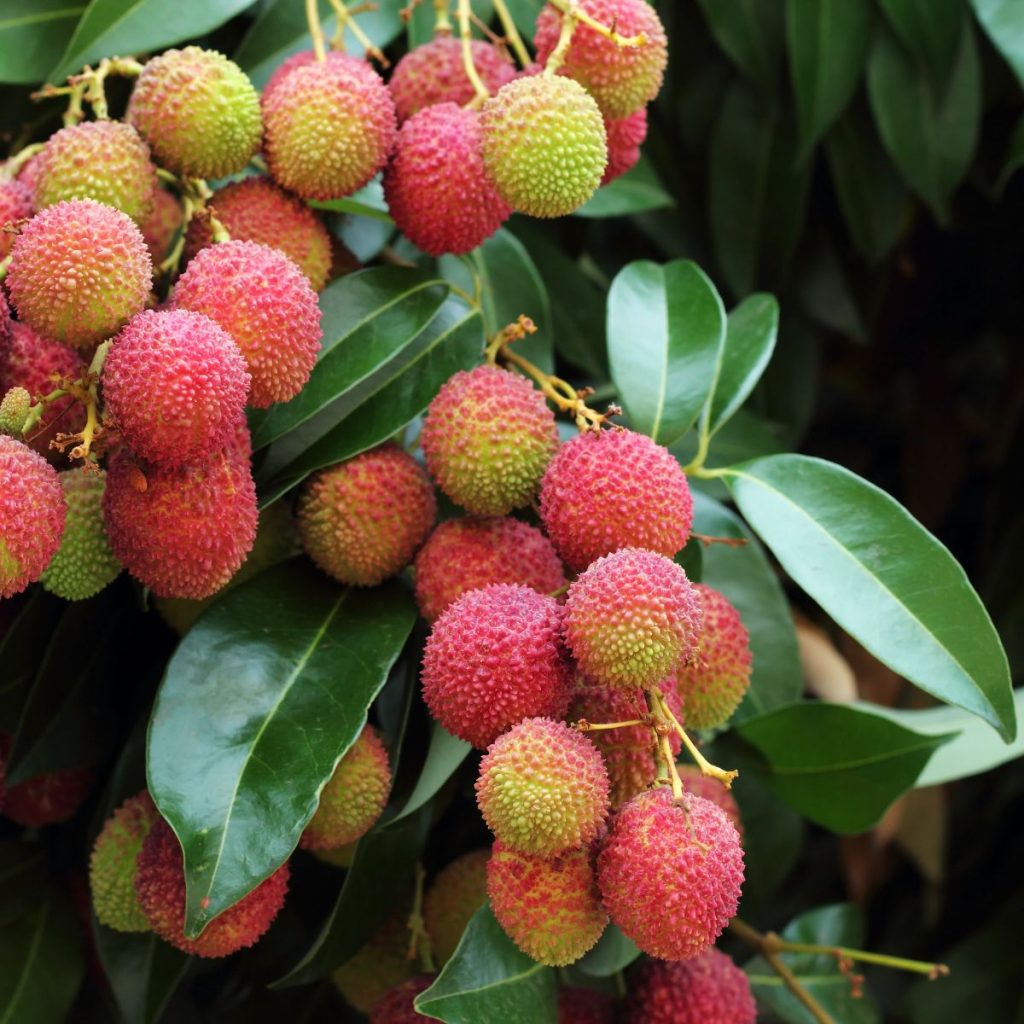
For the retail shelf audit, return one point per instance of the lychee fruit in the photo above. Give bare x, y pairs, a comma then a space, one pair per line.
615, 489
544, 144
362, 520
548, 906
585, 1006
543, 788
49, 798
493, 658
353, 797
161, 227
466, 554
455, 895
398, 1006
698, 784
198, 111
265, 302
15, 205
14, 407
113, 861
487, 439
682, 860
622, 79
713, 681
381, 965
625, 137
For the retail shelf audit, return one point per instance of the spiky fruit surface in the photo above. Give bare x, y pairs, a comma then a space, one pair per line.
487, 438
625, 137
84, 563
713, 681
467, 554
455, 895
5, 326
685, 862
358, 66
622, 79
48, 799
397, 1007
32, 515
353, 797
585, 1006
330, 128
15, 204
113, 861
362, 520
378, 967
162, 225
549, 906
710, 987
198, 111
616, 489
160, 885
102, 160
265, 302
543, 788
493, 658
711, 789
544, 145
14, 408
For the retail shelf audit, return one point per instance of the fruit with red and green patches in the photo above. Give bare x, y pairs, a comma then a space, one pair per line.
454, 896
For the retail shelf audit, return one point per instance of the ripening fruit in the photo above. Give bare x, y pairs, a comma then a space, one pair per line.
437, 189
487, 438
713, 681
362, 520
78, 271
434, 73
353, 797
84, 563
455, 895
160, 885
548, 906
378, 967
670, 875
544, 145
113, 861
585, 1006
102, 160
625, 137
615, 489
466, 554
32, 515
543, 788
15, 205
14, 408
47, 799
493, 658
5, 326
397, 1007
711, 789
198, 111
162, 225
265, 302
710, 987
622, 79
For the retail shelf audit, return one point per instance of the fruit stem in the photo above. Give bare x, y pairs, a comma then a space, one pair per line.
670, 763
4, 264
346, 20
14, 164
932, 970
584, 726
557, 57
706, 767
316, 30
442, 23
481, 90
419, 939
730, 542
512, 36
572, 8
35, 412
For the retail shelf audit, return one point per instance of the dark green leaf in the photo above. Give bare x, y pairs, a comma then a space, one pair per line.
691, 558
23, 873
613, 953
929, 29
1003, 21
444, 755
636, 191
143, 971
33, 35
1014, 160
825, 291
751, 34
22, 649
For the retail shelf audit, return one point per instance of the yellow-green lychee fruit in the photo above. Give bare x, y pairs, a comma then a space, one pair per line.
455, 895
379, 966
342, 857
14, 408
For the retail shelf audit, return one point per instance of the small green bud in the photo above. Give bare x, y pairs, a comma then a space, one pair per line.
14, 411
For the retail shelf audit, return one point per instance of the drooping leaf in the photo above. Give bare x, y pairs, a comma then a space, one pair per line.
637, 191
143, 971
613, 953
369, 201
444, 755
23, 871
22, 650
1003, 22
929, 29
33, 35
751, 34
1014, 159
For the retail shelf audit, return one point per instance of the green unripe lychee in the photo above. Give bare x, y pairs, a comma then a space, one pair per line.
13, 411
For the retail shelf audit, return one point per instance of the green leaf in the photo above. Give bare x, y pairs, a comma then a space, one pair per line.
881, 576
1014, 160
1003, 22
143, 971
23, 871
929, 29
524, 14
836, 765
489, 981
751, 34
261, 700
613, 953
637, 191
444, 755
665, 327
33, 35
22, 649
369, 201
828, 42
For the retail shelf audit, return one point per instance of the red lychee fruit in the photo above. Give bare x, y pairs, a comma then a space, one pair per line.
695, 782
397, 1007
585, 1006
265, 302
625, 137
466, 554
15, 205
670, 874
47, 799
493, 658
487, 438
358, 66
455, 895
612, 490
162, 225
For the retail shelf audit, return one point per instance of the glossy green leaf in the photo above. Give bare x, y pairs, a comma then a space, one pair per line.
489, 981
691, 558
22, 650
33, 35
881, 576
751, 34
1003, 22
143, 971
929, 29
260, 701
369, 201
665, 326
444, 755
637, 191
613, 953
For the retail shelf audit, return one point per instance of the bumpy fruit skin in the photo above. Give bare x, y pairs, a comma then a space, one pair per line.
710, 987
162, 225
543, 788
5, 326
549, 906
684, 861
493, 658
32, 515
198, 111
616, 489
15, 204
397, 1007
102, 160
713, 681
265, 302
455, 895
112, 864
434, 73
467, 554
436, 186
487, 438
711, 789
48, 799
354, 796
361, 521
160, 885
14, 408
625, 137
84, 563
622, 79
544, 145
78, 271
378, 967
585, 1006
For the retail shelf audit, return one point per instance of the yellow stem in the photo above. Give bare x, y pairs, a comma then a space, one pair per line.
442, 23
481, 90
316, 30
508, 26
705, 766
584, 726
570, 7
557, 58
345, 20
932, 970
14, 164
